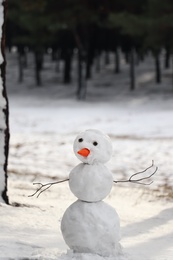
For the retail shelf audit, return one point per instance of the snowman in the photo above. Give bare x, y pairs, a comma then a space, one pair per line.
90, 225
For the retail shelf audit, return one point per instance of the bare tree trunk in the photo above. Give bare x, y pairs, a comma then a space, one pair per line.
117, 61
132, 69
107, 58
20, 61
172, 71
67, 66
82, 83
167, 57
58, 59
4, 113
38, 66
158, 69
98, 62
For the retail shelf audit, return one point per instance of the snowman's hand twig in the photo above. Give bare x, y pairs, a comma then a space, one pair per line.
140, 180
44, 187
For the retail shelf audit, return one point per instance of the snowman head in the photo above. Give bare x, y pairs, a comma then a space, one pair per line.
92, 146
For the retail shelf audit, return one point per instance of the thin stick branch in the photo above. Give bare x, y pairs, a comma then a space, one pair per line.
44, 187
140, 180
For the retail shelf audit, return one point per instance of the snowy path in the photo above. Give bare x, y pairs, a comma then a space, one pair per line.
43, 126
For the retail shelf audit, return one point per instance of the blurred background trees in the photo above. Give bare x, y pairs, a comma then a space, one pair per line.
86, 29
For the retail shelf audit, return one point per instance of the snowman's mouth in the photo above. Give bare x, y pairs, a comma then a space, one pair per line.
84, 152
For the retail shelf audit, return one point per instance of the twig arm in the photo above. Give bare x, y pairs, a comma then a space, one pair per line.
140, 180
44, 187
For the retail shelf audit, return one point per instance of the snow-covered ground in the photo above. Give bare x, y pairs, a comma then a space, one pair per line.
45, 121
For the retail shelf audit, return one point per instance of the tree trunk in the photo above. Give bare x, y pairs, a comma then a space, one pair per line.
67, 67
126, 55
132, 69
81, 89
107, 58
20, 61
167, 57
4, 114
117, 61
172, 72
38, 67
58, 59
25, 59
88, 67
98, 65
54, 54
89, 62
158, 69
81, 92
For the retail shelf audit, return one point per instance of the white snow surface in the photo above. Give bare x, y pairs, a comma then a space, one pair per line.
44, 123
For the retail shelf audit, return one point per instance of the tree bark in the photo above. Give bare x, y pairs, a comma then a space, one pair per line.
132, 69
172, 72
81, 92
117, 61
4, 114
158, 69
82, 82
107, 58
88, 68
38, 67
20, 61
167, 57
97, 61
67, 66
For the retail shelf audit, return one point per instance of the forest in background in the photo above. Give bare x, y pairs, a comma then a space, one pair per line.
90, 28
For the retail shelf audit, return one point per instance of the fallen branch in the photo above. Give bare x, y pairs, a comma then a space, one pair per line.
140, 180
44, 187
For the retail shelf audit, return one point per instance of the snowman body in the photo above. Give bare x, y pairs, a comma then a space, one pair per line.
90, 225
90, 183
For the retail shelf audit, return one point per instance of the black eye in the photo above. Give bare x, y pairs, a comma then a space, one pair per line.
95, 143
80, 140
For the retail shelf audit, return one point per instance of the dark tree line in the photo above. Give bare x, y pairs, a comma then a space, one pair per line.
92, 27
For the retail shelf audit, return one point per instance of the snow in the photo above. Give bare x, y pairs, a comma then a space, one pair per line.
44, 123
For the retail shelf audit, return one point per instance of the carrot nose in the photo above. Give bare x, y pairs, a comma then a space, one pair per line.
84, 152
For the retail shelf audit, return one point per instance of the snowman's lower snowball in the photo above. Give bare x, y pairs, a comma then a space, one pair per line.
92, 228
